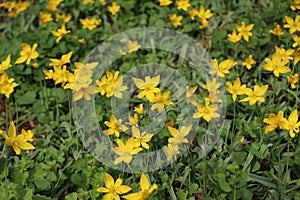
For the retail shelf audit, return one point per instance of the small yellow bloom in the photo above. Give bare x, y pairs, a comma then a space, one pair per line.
249, 62
27, 53
7, 84
139, 110
183, 4
223, 68
126, 151
295, 5
160, 100
45, 18
207, 112
176, 20
291, 24
148, 87
145, 191
112, 188
82, 40
141, 139
133, 46
17, 142
276, 65
53, 4
165, 2
90, 23
243, 139
236, 88
277, 30
115, 126
297, 41
234, 37
292, 124
102, 2
296, 56
244, 30
189, 95
193, 13
64, 17
293, 80
171, 150
179, 135
204, 14
5, 64
255, 95
85, 2
62, 61
114, 8
60, 33
274, 121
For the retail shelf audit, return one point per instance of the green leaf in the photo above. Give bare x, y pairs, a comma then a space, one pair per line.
223, 183
28, 98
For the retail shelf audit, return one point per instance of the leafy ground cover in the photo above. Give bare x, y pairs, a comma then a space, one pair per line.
253, 46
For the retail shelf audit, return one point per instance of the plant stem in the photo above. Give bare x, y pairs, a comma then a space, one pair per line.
233, 123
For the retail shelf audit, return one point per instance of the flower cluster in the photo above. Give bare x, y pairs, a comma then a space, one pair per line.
18, 142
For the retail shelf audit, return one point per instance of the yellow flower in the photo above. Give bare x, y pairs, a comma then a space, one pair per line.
284, 54
27, 53
244, 30
115, 126
14, 8
111, 85
183, 4
171, 150
90, 23
148, 87
5, 64
112, 188
236, 88
208, 112
139, 110
296, 56
189, 95
62, 61
295, 5
84, 92
7, 84
126, 151
204, 14
297, 41
82, 40
165, 2
102, 2
277, 30
114, 8
160, 100
52, 4
274, 121
65, 17
291, 24
223, 68
88, 1
133, 46
276, 65
212, 86
141, 139
204, 23
179, 136
193, 13
249, 62
59, 75
176, 20
60, 33
17, 142
145, 191
234, 37
243, 139
45, 18
292, 124
133, 120
293, 80
255, 95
